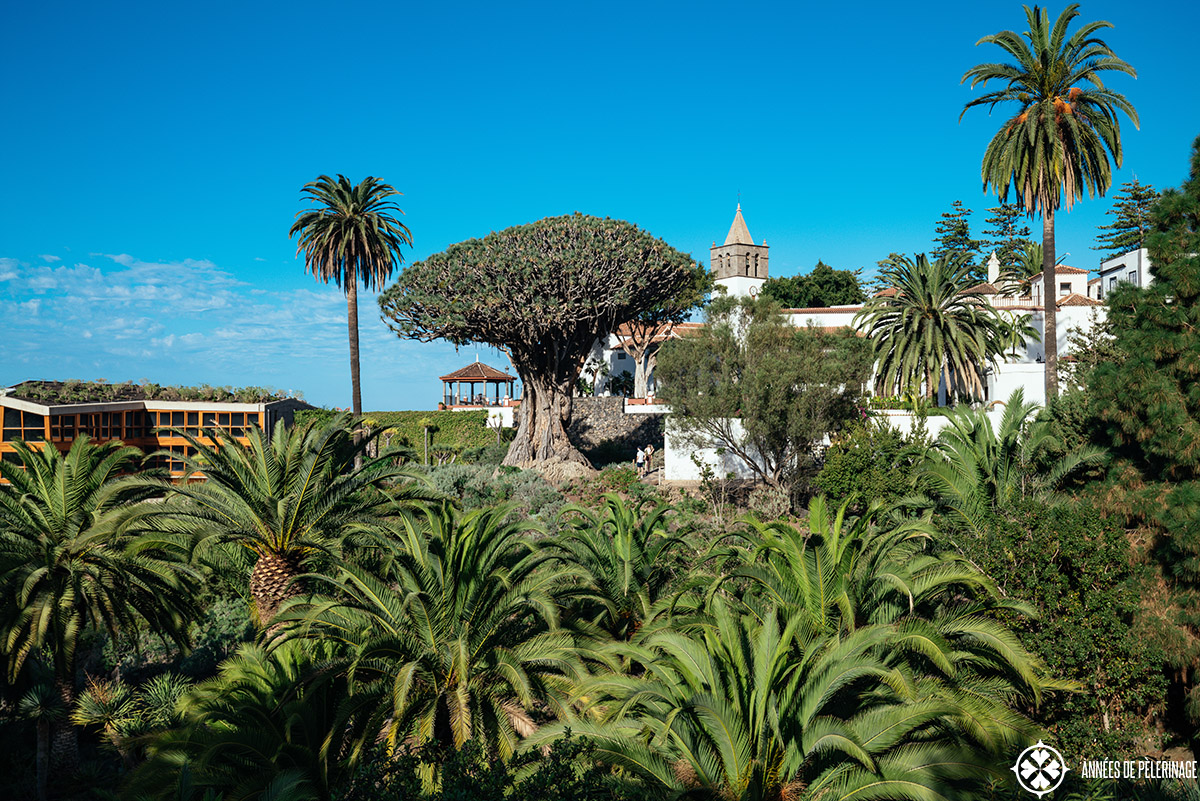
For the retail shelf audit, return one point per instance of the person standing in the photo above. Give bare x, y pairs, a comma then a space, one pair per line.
649, 459
639, 461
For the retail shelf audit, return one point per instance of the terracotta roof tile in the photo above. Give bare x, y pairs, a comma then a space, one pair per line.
479, 372
1075, 299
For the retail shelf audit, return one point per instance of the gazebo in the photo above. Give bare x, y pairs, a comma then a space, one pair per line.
472, 376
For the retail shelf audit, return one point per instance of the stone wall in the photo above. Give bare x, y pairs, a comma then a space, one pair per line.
600, 428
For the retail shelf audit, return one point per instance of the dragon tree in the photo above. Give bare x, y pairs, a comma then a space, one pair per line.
542, 293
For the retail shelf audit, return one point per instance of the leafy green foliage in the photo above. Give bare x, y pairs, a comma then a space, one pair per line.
483, 485
75, 391
822, 287
568, 770
1148, 409
871, 462
1074, 566
753, 384
1132, 207
976, 467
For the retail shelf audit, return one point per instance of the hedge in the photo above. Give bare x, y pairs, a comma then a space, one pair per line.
458, 430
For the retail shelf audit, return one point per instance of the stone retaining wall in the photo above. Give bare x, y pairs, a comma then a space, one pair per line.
601, 425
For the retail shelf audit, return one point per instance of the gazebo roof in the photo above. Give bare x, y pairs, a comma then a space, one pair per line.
478, 371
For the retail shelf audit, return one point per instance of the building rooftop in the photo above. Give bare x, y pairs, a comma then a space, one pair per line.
478, 371
53, 393
739, 234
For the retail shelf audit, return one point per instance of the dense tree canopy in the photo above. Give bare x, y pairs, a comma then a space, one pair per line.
1147, 405
761, 388
1007, 237
541, 292
823, 287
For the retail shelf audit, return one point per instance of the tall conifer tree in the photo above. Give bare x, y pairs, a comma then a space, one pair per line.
1008, 238
1131, 207
954, 237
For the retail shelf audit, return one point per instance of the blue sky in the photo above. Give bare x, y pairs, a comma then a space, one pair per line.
154, 153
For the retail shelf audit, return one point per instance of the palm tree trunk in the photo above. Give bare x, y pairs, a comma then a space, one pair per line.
1050, 299
356, 388
43, 756
272, 581
64, 750
352, 318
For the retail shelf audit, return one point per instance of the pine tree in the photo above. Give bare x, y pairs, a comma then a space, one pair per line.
1148, 412
954, 236
1131, 207
1008, 238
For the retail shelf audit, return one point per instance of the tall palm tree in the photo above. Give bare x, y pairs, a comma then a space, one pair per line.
1058, 143
286, 499
461, 641
352, 237
925, 326
70, 565
976, 468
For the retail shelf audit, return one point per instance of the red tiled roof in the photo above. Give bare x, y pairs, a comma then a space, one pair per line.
479, 372
1075, 299
982, 289
1063, 269
825, 310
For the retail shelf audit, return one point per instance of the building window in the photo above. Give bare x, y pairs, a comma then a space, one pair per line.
1133, 277
621, 355
1064, 288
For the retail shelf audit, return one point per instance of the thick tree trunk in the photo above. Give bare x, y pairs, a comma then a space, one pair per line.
64, 750
640, 371
272, 582
541, 433
1049, 302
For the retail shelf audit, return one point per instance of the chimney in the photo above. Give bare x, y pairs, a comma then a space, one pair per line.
993, 269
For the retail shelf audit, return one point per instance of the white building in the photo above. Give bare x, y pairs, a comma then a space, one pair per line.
1132, 268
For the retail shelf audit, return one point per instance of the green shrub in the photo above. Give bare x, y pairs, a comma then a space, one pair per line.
479, 485
769, 503
486, 454
870, 462
1073, 566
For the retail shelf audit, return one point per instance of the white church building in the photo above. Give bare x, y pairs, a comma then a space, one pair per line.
741, 266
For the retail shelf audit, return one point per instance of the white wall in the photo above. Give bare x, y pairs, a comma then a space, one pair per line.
678, 464
740, 286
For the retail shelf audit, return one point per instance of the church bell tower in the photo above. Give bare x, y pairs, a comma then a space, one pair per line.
739, 264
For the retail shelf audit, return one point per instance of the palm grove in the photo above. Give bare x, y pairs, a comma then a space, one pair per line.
314, 616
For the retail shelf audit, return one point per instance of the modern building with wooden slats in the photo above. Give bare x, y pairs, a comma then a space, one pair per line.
145, 423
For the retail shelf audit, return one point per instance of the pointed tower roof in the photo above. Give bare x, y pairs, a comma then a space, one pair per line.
739, 234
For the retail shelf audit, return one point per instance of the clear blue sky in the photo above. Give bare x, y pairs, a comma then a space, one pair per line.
153, 155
